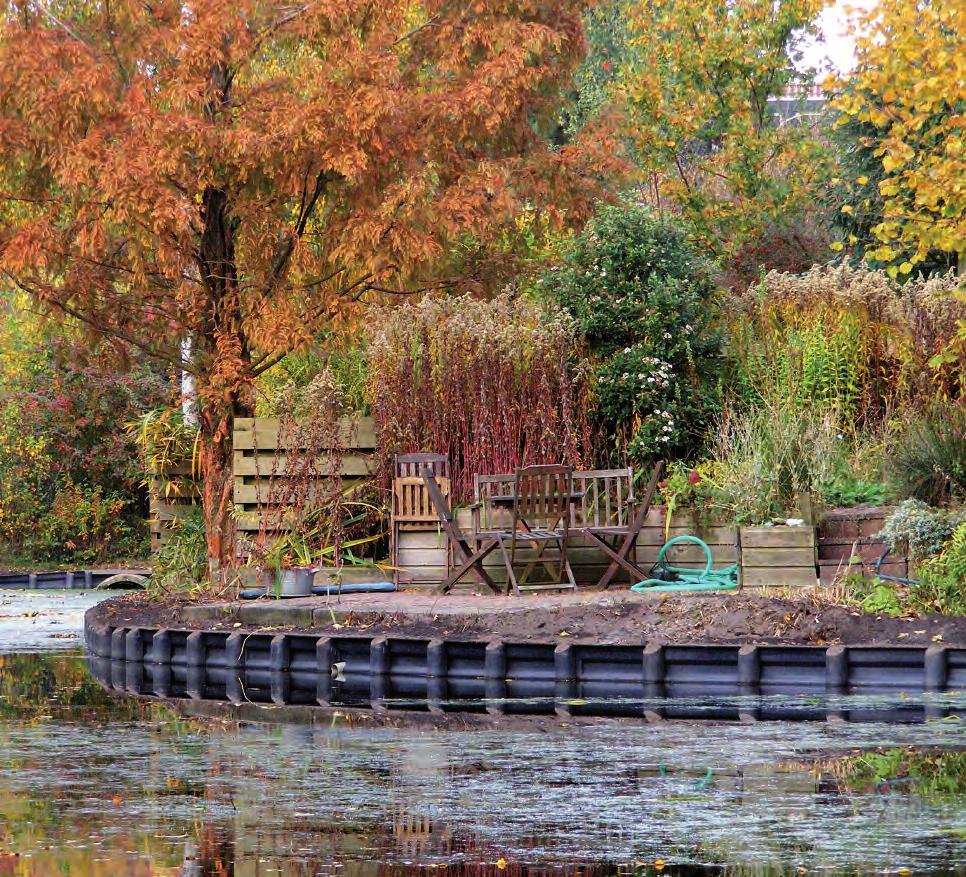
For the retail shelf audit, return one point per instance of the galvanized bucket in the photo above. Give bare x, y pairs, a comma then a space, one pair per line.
288, 582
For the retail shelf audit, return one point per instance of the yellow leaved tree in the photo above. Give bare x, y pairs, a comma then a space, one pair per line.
910, 86
697, 90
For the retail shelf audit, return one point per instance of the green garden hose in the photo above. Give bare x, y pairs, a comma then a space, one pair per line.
678, 578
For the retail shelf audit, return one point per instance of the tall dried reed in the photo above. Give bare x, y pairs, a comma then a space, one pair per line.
304, 498
492, 384
851, 339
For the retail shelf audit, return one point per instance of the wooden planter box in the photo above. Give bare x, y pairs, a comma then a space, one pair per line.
422, 554
846, 544
778, 557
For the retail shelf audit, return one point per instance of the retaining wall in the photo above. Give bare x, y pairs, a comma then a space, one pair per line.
377, 667
80, 580
297, 697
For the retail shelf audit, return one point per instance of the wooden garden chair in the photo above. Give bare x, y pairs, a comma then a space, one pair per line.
412, 509
467, 558
609, 516
541, 509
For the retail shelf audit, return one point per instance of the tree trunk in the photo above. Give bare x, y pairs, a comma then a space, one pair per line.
216, 423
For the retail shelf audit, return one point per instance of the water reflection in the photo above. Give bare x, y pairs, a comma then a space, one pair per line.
96, 784
724, 703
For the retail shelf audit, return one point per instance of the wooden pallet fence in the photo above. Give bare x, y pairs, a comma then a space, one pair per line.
172, 494
256, 444
422, 554
778, 557
847, 545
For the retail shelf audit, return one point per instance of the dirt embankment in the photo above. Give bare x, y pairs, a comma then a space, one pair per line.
603, 618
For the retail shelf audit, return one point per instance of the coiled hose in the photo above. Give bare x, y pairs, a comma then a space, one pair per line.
678, 578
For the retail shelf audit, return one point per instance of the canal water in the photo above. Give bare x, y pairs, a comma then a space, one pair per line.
94, 783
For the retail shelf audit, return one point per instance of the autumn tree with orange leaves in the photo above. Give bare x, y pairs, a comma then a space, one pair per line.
239, 174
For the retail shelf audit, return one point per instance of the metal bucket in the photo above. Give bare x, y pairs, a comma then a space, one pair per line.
288, 582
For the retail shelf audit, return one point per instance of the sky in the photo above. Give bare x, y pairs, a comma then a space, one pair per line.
836, 52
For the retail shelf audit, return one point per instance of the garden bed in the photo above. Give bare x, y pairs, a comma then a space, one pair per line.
604, 617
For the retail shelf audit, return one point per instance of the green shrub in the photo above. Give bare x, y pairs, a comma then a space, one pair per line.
928, 460
66, 458
86, 524
644, 303
845, 489
880, 597
942, 579
916, 529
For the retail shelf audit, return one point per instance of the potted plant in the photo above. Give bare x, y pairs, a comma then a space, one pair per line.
288, 565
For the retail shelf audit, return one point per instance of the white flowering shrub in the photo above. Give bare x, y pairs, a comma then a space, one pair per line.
643, 301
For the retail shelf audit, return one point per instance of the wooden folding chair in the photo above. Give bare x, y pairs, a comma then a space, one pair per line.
467, 559
542, 503
622, 556
412, 510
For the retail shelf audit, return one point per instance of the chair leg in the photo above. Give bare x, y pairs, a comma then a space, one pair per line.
468, 561
394, 553
570, 573
511, 579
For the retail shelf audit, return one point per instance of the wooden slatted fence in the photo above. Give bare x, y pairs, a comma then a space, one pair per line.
256, 453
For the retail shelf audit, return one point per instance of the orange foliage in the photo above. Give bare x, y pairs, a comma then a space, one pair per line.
242, 172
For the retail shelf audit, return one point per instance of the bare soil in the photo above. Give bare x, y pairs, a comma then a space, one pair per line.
609, 617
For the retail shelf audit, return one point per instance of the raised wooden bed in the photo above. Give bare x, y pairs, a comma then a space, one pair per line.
778, 557
846, 544
422, 554
719, 535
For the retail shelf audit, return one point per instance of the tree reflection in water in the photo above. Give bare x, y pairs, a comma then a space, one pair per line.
96, 785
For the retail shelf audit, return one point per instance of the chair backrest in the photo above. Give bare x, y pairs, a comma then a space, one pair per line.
411, 465
490, 517
436, 496
411, 503
607, 497
543, 495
